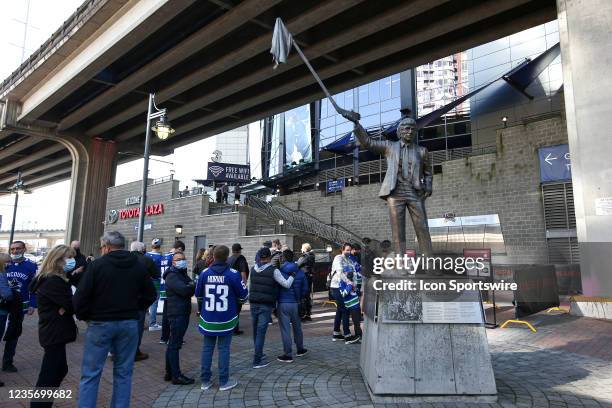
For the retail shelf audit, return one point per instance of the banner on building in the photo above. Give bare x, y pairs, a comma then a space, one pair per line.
230, 173
555, 164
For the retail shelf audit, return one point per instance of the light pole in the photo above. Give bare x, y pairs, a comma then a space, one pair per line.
18, 189
163, 130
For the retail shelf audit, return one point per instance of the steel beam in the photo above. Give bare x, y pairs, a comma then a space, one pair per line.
36, 169
38, 180
117, 36
411, 39
257, 46
18, 146
387, 19
207, 35
32, 157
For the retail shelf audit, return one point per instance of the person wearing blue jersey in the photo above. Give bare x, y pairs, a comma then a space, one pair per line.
355, 258
350, 300
19, 273
158, 257
6, 295
288, 301
221, 289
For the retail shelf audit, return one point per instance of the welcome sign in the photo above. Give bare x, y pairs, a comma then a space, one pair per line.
227, 172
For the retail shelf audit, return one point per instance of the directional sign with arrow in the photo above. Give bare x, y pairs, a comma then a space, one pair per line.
555, 164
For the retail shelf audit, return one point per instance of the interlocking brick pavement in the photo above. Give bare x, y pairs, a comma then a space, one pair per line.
567, 363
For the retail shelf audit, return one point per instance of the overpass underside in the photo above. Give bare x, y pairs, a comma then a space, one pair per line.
208, 62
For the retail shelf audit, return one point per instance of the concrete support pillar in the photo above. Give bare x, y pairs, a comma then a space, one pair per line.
585, 31
93, 171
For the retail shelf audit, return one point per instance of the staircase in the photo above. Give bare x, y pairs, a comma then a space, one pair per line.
298, 220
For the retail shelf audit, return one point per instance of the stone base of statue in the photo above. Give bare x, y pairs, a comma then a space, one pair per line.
424, 346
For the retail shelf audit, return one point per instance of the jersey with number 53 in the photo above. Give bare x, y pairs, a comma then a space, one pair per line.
220, 288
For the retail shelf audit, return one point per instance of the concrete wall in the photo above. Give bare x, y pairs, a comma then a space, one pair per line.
506, 183
192, 213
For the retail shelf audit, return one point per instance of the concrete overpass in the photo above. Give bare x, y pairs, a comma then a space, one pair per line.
80, 100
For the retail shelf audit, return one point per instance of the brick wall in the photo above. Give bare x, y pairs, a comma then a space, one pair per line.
506, 183
192, 213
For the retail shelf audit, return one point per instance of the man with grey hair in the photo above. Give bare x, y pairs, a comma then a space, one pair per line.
139, 249
407, 183
112, 292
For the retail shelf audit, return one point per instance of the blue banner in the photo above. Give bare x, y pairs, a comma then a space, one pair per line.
555, 164
335, 185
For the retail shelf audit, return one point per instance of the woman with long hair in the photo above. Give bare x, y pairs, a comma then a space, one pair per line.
56, 326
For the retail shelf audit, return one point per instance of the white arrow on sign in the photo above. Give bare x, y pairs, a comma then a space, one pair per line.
548, 159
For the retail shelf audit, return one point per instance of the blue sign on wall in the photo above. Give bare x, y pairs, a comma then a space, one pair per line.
555, 164
335, 185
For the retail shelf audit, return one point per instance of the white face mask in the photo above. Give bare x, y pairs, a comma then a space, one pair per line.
16, 257
181, 264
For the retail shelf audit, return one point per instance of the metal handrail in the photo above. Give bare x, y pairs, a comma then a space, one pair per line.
304, 222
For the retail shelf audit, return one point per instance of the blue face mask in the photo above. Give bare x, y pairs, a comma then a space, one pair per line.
181, 264
69, 264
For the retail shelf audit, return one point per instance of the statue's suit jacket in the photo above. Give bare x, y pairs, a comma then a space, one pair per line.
415, 159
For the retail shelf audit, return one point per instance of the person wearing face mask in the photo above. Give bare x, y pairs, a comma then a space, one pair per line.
110, 297
179, 290
407, 183
80, 263
6, 295
19, 273
342, 267
56, 326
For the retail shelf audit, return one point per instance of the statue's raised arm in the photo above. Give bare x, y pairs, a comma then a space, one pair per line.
375, 146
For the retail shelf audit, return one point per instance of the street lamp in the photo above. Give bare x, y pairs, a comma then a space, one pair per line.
18, 189
162, 130
178, 229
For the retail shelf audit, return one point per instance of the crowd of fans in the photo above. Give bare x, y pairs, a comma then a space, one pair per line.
115, 291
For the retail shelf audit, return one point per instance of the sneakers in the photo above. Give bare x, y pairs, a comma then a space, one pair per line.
301, 352
306, 318
228, 385
9, 368
338, 337
163, 342
285, 359
155, 327
262, 364
352, 339
206, 385
182, 380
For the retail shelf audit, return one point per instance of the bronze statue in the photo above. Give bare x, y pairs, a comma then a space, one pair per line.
407, 183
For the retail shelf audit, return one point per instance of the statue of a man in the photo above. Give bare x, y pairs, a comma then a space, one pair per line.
407, 183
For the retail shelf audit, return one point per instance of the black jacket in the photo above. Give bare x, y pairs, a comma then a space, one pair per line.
179, 290
80, 261
116, 286
152, 269
239, 263
307, 262
53, 293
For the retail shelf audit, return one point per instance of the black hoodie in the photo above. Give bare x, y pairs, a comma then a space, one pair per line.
114, 287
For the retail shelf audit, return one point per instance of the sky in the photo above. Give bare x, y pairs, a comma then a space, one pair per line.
47, 207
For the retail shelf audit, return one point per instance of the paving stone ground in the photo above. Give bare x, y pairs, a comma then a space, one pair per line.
567, 363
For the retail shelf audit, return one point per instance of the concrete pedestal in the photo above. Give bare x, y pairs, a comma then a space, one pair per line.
424, 362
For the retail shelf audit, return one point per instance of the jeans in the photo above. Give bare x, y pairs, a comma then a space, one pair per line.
121, 338
261, 316
153, 309
223, 343
141, 323
342, 314
165, 331
11, 345
52, 371
288, 316
178, 327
